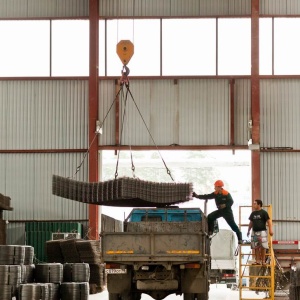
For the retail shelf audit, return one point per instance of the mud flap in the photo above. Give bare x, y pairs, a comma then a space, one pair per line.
119, 283
193, 281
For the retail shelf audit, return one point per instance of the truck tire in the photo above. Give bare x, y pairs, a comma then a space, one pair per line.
188, 296
112, 296
202, 296
131, 296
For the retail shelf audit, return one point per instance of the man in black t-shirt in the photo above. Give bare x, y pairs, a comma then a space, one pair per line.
259, 237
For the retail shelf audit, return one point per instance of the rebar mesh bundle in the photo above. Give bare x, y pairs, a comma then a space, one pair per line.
53, 251
74, 291
77, 272
89, 251
33, 291
123, 191
97, 276
12, 255
10, 274
69, 251
49, 273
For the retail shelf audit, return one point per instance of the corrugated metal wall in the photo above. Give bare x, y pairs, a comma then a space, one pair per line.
280, 182
183, 112
27, 179
173, 8
280, 109
143, 8
43, 8
280, 171
36, 116
279, 7
44, 114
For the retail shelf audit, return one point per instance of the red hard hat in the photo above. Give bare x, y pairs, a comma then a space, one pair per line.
219, 183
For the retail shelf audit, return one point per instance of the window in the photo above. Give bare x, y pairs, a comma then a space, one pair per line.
189, 47
25, 48
286, 46
234, 47
70, 48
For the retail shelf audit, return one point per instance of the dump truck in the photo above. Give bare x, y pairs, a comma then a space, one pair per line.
162, 251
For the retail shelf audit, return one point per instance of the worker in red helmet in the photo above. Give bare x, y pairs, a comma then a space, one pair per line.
224, 202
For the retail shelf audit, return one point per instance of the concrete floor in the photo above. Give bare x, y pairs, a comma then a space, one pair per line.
217, 292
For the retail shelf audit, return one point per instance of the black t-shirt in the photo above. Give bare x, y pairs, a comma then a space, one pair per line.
259, 219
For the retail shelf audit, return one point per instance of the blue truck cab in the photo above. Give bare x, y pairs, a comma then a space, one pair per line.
169, 214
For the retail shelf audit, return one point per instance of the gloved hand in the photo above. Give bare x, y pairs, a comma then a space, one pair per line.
221, 206
195, 195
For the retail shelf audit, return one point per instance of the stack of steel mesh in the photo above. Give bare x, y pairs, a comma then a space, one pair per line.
89, 251
12, 255
33, 291
78, 272
7, 292
69, 251
49, 273
74, 291
122, 192
10, 280
53, 251
10, 274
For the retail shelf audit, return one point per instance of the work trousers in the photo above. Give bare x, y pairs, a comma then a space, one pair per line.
227, 214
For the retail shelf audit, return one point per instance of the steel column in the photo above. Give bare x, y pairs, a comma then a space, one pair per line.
255, 107
93, 112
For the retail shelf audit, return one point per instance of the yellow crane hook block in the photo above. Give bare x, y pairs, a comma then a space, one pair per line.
125, 50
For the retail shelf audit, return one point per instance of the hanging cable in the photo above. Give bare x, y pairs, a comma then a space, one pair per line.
168, 171
96, 133
122, 127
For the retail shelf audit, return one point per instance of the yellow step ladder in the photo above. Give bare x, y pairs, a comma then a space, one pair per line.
259, 278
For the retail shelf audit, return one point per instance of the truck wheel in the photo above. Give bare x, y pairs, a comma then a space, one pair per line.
112, 296
202, 296
188, 296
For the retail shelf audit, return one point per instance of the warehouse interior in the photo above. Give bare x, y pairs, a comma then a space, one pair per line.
206, 76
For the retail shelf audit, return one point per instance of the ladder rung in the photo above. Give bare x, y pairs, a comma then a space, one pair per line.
257, 287
255, 298
255, 276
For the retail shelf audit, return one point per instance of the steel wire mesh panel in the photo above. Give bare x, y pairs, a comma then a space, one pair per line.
122, 192
49, 273
74, 291
295, 276
34, 291
12, 255
77, 272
